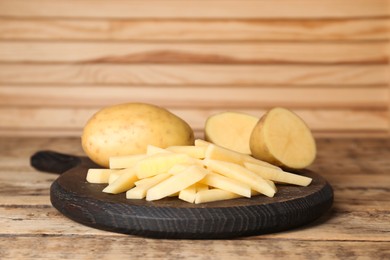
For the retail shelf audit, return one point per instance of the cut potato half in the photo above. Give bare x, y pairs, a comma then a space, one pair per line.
282, 138
231, 130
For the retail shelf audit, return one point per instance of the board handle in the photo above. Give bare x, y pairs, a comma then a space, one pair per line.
53, 162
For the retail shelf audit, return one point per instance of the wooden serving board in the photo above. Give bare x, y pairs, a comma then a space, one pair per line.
85, 203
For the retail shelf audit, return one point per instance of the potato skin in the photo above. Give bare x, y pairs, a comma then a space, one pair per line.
127, 129
258, 146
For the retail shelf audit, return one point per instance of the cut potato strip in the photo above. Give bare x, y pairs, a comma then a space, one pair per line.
98, 175
176, 194
197, 152
142, 186
188, 194
250, 159
176, 183
202, 173
114, 175
151, 149
242, 174
216, 152
224, 183
159, 163
278, 175
214, 195
123, 183
200, 142
200, 186
178, 168
272, 184
151, 181
121, 162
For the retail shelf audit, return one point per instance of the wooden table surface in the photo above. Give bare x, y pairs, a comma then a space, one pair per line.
358, 225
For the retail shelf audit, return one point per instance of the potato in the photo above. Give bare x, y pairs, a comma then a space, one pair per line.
282, 138
127, 129
230, 130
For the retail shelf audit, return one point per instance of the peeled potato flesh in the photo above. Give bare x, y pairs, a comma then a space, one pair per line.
231, 130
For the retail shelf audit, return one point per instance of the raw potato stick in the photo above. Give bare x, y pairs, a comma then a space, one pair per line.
114, 175
188, 194
278, 175
98, 175
214, 195
159, 163
176, 183
224, 183
128, 161
240, 173
151, 149
142, 186
152, 180
197, 152
123, 183
216, 152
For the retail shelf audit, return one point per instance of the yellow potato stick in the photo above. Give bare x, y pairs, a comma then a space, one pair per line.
98, 175
188, 194
224, 183
121, 162
142, 186
250, 159
200, 142
278, 175
200, 186
201, 173
176, 183
176, 194
216, 152
178, 168
272, 184
214, 195
114, 175
159, 163
240, 173
123, 183
197, 152
151, 149
152, 180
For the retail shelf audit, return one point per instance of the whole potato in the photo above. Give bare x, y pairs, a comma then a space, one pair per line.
127, 129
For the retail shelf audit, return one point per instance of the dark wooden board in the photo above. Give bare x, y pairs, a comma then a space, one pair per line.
85, 203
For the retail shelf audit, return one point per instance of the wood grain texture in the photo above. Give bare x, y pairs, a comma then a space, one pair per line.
190, 74
194, 9
116, 247
194, 30
327, 56
358, 227
74, 119
195, 96
213, 53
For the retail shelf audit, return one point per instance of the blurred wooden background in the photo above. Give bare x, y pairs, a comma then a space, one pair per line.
62, 60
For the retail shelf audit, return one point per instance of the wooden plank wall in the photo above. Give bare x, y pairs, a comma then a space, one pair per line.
328, 60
